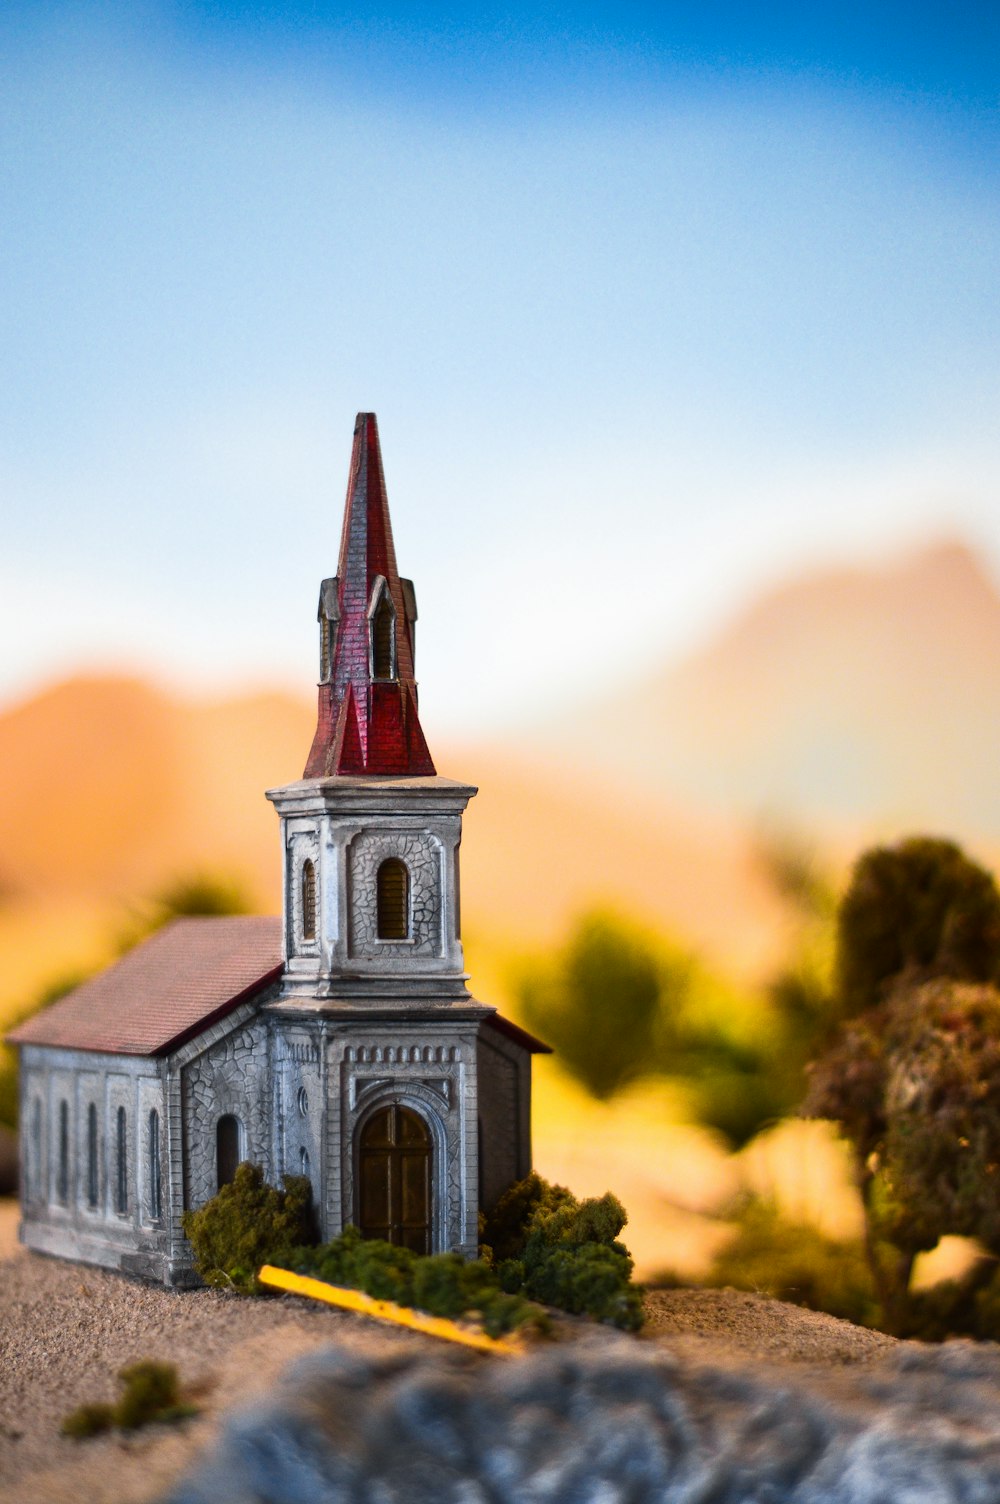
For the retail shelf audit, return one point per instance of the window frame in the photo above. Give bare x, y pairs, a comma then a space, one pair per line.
387, 933
307, 901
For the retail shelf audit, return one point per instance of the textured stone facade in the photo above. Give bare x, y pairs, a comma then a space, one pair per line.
230, 1079
504, 1096
88, 1178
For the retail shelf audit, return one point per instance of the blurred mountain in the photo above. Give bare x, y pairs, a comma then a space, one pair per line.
111, 789
852, 701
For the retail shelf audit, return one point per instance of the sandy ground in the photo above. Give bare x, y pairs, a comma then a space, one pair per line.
65, 1330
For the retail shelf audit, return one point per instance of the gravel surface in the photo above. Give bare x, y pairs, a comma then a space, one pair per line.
722, 1324
66, 1330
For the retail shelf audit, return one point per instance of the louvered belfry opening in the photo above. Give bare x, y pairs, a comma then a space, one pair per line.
393, 900
308, 901
383, 641
395, 1179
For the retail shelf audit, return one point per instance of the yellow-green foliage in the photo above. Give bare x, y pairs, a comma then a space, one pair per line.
619, 1005
249, 1224
150, 1393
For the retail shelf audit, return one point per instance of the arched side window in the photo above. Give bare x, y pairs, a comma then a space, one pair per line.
36, 1170
308, 900
93, 1183
383, 630
304, 1162
393, 894
62, 1175
121, 1163
227, 1149
155, 1185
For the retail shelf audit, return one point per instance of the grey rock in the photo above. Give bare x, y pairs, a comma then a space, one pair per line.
613, 1421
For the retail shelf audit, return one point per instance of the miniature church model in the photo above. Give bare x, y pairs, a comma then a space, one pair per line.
339, 1042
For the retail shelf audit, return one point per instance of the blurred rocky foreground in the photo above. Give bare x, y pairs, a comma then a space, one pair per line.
612, 1420
727, 1398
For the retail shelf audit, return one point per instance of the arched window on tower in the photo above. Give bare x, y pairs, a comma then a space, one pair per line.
383, 629
308, 900
393, 884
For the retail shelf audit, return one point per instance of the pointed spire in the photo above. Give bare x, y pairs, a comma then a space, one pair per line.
367, 720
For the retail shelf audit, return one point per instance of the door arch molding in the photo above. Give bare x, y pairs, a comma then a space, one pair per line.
411, 1101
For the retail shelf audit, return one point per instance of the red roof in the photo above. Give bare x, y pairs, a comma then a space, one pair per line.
168, 989
367, 725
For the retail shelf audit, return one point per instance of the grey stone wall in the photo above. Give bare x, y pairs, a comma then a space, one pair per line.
333, 1076
423, 855
300, 1106
59, 1214
348, 827
504, 1070
230, 1076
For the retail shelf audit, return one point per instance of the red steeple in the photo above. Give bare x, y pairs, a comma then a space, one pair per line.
367, 695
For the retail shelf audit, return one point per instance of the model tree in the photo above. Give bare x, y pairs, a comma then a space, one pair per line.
912, 1073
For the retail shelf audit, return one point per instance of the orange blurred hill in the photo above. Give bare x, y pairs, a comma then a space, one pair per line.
110, 789
851, 701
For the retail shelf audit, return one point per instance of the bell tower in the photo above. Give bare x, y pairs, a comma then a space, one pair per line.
375, 1033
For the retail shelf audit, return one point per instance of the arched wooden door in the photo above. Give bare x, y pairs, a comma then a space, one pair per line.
394, 1167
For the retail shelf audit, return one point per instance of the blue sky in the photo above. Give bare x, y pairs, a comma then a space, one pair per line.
656, 305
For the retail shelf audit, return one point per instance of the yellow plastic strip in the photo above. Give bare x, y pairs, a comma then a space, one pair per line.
383, 1310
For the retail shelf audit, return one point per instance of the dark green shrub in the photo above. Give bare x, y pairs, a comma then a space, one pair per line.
505, 1228
150, 1393
589, 1279
447, 1285
503, 1313
249, 1224
918, 909
443, 1284
564, 1252
88, 1420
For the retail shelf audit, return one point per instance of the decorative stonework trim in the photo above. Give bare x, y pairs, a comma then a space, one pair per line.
391, 1054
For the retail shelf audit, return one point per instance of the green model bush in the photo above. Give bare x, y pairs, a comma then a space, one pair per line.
150, 1393
551, 1247
443, 1284
250, 1223
542, 1245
